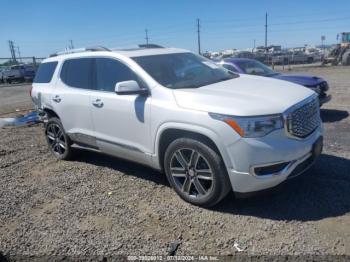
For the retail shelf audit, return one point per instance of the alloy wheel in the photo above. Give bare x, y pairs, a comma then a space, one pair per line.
191, 173
56, 139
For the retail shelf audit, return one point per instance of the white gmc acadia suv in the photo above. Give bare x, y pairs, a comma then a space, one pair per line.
208, 129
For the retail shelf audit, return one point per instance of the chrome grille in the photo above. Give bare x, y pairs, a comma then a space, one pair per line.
303, 120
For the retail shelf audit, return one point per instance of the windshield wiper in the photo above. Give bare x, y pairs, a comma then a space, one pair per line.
272, 74
205, 84
184, 87
217, 81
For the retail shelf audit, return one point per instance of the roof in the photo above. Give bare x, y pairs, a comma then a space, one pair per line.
81, 52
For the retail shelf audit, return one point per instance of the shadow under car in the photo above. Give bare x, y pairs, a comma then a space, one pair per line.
323, 191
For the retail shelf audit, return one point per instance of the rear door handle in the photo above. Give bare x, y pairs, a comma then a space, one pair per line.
57, 98
98, 103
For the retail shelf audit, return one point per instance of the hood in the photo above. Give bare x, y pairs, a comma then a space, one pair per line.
300, 79
246, 95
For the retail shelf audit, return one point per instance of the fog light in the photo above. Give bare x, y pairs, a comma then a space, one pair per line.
271, 169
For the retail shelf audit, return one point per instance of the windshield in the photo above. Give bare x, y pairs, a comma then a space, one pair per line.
183, 70
253, 67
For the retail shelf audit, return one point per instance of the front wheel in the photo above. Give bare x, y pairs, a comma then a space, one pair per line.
57, 139
196, 172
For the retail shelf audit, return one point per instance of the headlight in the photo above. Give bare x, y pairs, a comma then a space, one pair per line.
252, 126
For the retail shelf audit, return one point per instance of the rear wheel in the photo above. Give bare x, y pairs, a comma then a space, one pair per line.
58, 141
196, 172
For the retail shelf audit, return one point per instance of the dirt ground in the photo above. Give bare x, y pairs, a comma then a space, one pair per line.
99, 205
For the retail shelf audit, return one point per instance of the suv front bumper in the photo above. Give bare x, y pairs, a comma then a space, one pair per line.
270, 161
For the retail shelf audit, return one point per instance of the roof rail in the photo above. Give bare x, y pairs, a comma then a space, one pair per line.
97, 48
150, 46
80, 50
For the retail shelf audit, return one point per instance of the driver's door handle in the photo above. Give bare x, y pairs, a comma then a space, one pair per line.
97, 103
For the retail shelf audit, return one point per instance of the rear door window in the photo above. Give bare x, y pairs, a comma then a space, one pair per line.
78, 73
45, 72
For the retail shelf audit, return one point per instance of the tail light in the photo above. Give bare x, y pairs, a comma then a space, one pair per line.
30, 90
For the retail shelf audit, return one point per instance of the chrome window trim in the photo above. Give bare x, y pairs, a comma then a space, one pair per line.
92, 141
93, 67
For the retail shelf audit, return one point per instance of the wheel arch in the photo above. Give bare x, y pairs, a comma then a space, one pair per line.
50, 113
169, 132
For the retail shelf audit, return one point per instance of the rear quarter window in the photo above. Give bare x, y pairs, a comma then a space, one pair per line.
45, 72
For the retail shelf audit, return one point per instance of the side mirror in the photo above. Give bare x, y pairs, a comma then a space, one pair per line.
129, 88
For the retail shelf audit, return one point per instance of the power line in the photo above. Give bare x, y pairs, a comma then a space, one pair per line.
133, 38
238, 34
312, 21
172, 32
254, 18
229, 23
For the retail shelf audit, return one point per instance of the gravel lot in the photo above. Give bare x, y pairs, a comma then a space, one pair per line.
14, 97
99, 205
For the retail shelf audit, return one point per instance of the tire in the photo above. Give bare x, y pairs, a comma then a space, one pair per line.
310, 60
346, 58
57, 140
196, 172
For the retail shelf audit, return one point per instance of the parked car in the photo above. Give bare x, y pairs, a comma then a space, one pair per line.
19, 73
209, 130
254, 67
243, 54
2, 80
297, 57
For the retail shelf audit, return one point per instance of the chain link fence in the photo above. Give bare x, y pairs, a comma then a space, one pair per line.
30, 60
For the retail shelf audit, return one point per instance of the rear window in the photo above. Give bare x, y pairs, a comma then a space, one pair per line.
45, 72
77, 73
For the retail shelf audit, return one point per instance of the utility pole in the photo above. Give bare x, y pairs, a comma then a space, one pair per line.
253, 47
323, 38
199, 36
12, 50
147, 38
266, 32
19, 53
71, 44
